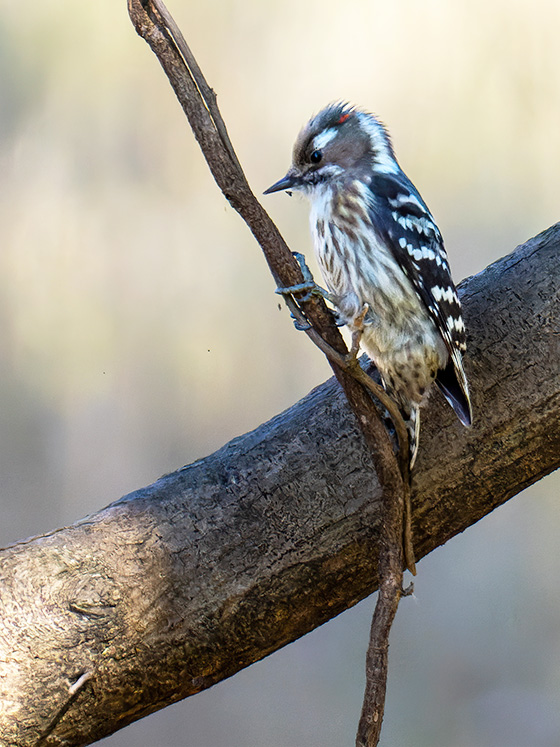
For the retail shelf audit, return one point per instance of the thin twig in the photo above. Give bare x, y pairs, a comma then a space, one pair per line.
207, 93
390, 593
154, 23
350, 363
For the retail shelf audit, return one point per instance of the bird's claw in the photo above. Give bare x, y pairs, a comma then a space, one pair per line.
309, 287
305, 271
300, 325
304, 291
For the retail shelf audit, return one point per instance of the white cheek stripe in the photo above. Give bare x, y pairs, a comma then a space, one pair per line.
324, 138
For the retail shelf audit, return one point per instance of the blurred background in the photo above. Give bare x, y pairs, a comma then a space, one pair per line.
132, 299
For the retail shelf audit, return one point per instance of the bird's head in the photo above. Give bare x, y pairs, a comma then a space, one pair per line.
340, 141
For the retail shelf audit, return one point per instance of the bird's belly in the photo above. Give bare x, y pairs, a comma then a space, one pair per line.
399, 334
407, 363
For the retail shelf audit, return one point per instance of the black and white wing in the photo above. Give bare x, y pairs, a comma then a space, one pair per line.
417, 245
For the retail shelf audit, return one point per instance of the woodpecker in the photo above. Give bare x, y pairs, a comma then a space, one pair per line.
383, 259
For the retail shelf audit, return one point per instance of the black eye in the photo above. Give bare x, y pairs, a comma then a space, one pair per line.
316, 156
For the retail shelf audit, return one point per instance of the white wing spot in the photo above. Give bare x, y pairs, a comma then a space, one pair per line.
403, 221
428, 253
404, 198
451, 322
447, 294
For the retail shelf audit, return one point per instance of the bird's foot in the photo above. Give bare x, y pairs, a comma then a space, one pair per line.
303, 292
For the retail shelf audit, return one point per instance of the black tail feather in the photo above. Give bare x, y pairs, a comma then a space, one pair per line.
447, 381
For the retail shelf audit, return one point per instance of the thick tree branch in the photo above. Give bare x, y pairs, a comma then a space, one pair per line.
185, 582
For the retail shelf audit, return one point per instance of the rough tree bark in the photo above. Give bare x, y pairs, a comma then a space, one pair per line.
182, 583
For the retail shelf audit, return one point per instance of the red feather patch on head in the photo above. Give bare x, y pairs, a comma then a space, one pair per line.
344, 117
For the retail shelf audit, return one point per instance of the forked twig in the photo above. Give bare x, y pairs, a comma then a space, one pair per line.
154, 23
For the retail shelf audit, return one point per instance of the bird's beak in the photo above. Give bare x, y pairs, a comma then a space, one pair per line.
290, 181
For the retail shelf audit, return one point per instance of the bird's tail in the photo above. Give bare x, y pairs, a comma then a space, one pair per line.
410, 412
453, 384
412, 421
